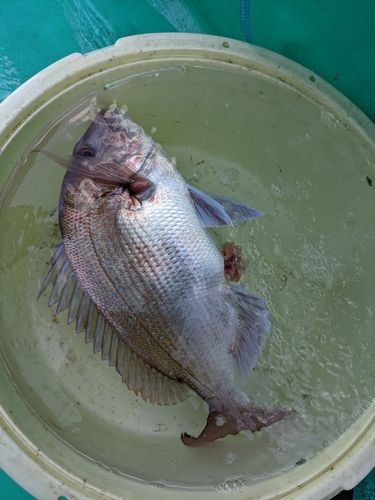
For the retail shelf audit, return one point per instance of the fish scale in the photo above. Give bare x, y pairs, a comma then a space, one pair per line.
133, 238
136, 237
112, 253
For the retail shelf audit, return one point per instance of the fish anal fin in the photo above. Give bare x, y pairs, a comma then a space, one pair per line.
140, 376
252, 331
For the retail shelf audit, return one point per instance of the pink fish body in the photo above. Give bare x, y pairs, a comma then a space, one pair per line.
142, 277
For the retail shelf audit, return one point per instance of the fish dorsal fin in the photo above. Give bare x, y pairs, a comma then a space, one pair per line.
139, 375
214, 210
253, 329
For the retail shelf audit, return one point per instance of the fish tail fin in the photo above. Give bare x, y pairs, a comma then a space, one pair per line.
221, 423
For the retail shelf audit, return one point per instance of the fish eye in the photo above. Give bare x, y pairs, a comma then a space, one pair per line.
86, 152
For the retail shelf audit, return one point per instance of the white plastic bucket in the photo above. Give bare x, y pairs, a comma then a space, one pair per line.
43, 456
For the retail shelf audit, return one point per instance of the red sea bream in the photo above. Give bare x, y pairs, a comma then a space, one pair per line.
141, 276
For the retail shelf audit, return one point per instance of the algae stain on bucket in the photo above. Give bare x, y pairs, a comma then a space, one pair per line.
241, 135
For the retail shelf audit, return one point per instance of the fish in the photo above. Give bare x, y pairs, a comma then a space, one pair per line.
139, 273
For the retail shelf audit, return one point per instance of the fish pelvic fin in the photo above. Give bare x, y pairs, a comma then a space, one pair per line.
221, 423
138, 374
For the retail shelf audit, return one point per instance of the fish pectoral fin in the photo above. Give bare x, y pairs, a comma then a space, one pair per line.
138, 375
214, 210
221, 423
210, 212
253, 329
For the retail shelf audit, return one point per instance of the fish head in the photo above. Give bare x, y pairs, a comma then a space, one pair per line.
116, 157
107, 160
115, 141
112, 150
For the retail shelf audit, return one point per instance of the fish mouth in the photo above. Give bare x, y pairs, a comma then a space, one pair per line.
117, 120
112, 118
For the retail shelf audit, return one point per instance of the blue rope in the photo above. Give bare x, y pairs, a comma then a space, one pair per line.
245, 21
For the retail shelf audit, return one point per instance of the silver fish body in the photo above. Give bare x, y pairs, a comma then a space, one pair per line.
134, 243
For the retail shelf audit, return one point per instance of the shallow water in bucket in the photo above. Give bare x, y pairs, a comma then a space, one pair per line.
310, 255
